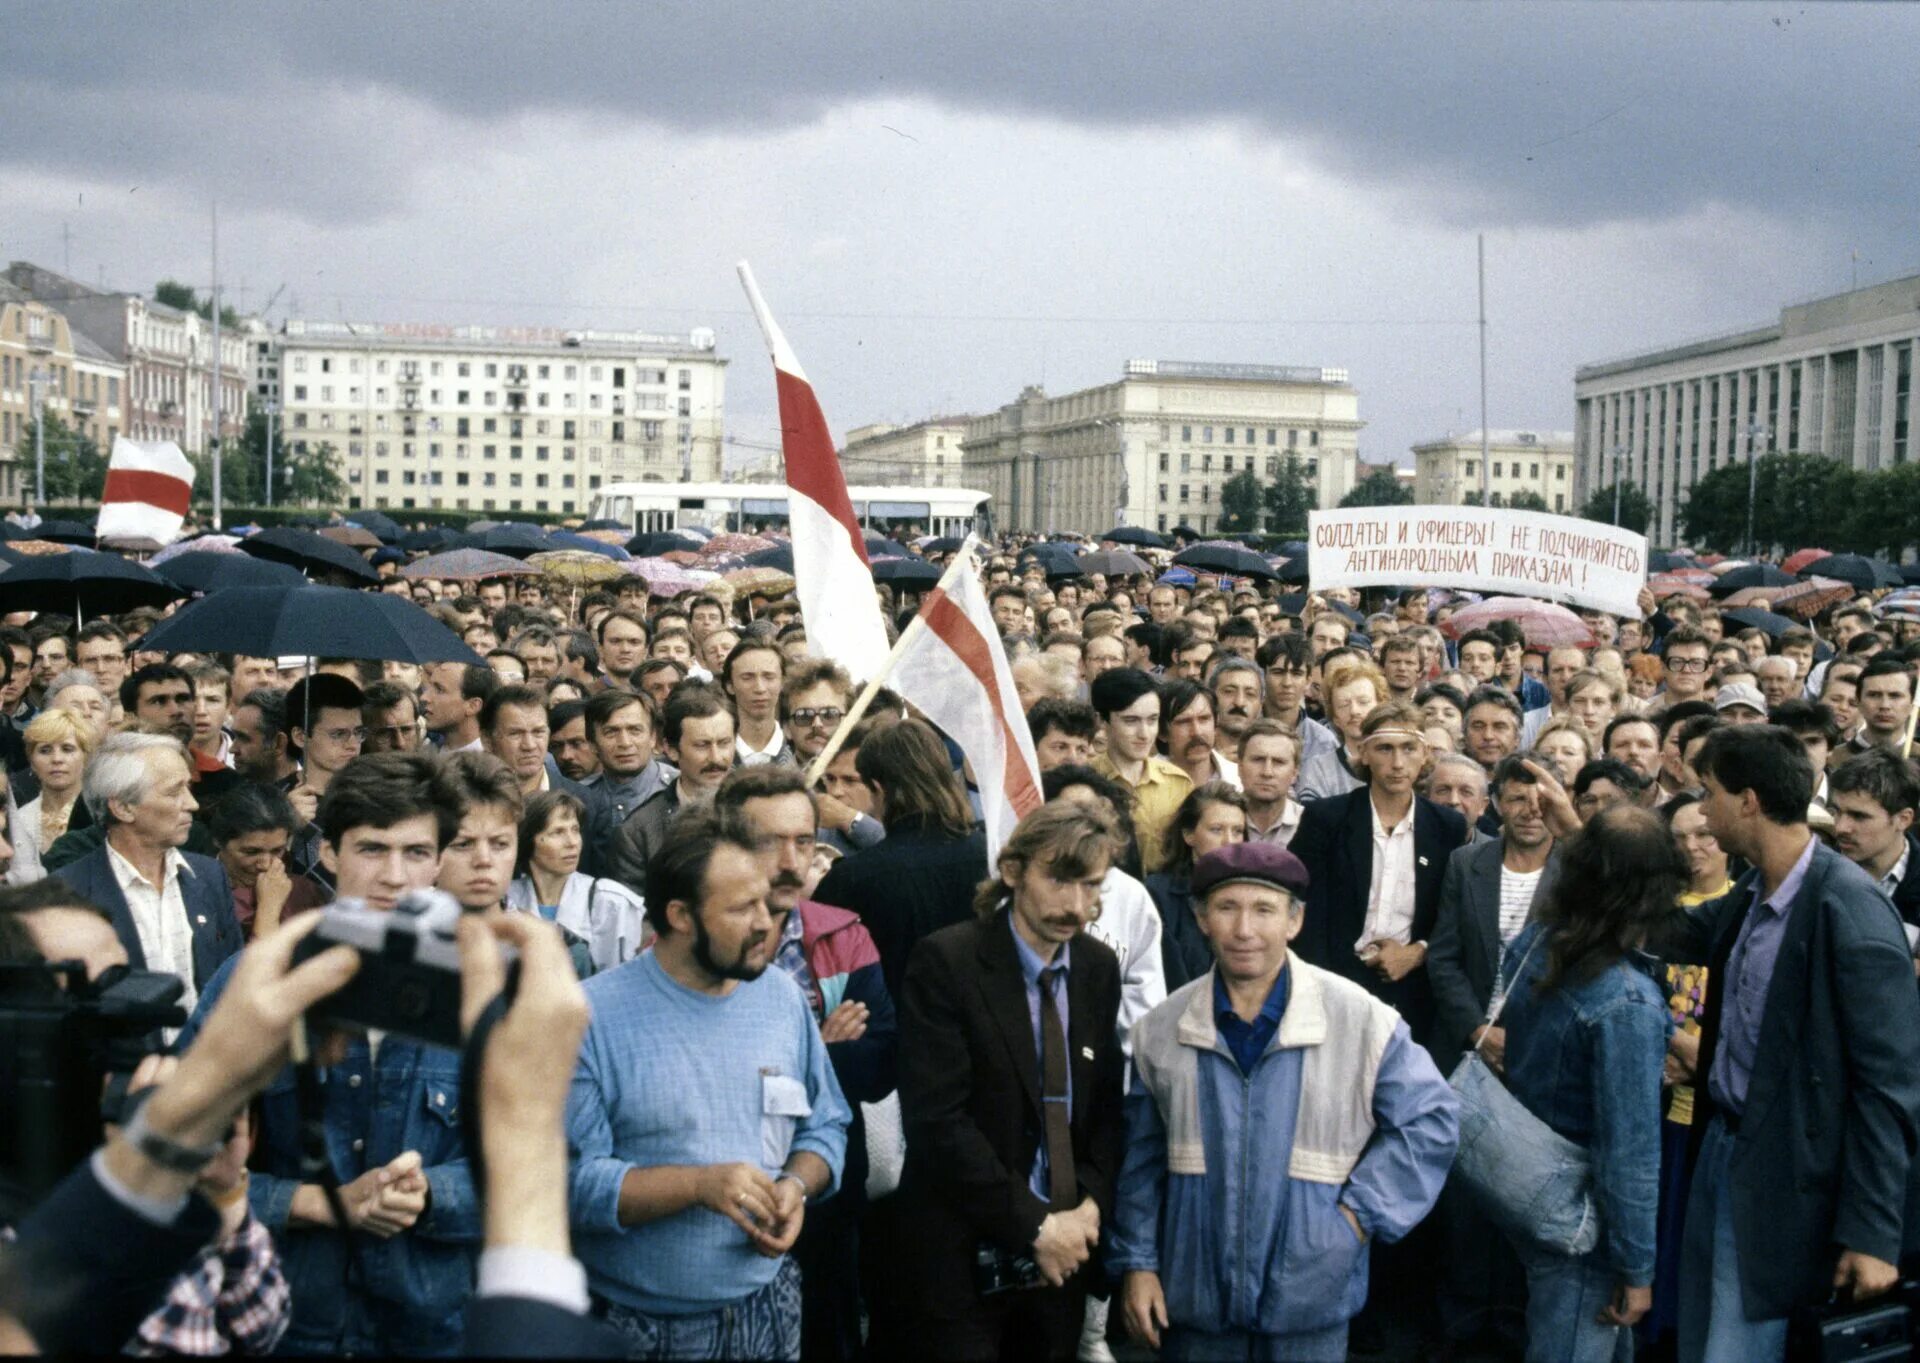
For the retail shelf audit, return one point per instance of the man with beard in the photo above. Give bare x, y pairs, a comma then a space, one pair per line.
261, 746
1236, 703
704, 1115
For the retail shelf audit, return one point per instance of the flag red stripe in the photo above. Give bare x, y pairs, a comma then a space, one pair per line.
143, 485
812, 466
958, 632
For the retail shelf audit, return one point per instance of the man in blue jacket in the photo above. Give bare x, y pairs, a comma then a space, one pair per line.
396, 1279
1279, 1119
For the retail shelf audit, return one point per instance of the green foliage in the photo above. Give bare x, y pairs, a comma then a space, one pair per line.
1240, 503
314, 479
1379, 488
1636, 508
182, 296
1526, 499
1289, 496
1800, 500
76, 467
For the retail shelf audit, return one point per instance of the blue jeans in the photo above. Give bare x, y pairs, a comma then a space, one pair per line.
1713, 1322
1182, 1345
763, 1325
1565, 1295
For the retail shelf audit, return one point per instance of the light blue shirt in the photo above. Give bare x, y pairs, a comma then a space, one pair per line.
671, 1076
1749, 976
1031, 969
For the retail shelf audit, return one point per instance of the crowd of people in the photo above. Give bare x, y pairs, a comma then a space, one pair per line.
795, 1071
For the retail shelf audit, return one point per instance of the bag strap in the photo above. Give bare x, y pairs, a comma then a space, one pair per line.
1493, 1020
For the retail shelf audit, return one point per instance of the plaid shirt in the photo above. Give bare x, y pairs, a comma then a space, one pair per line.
233, 1299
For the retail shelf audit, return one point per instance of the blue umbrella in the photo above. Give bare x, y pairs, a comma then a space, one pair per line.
204, 570
563, 539
322, 622
778, 557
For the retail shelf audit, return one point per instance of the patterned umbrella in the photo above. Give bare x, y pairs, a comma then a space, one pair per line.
467, 565
1800, 558
1812, 596
685, 558
1664, 585
767, 581
576, 567
1542, 623
617, 538
204, 544
1762, 597
734, 544
664, 578
39, 548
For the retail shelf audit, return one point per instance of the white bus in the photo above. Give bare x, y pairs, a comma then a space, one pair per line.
646, 507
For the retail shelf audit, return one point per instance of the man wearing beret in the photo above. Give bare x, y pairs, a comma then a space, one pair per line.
1280, 1119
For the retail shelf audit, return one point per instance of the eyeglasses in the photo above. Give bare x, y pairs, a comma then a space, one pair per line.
342, 735
808, 718
1686, 664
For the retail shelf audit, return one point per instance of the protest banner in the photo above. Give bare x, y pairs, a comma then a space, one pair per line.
1479, 549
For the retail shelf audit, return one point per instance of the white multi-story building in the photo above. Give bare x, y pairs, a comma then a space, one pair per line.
1447, 471
499, 418
1155, 448
47, 366
166, 354
925, 454
1832, 377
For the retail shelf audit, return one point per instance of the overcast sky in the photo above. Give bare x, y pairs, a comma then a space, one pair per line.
946, 202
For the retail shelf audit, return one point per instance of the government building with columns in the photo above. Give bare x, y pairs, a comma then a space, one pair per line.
1154, 448
1831, 377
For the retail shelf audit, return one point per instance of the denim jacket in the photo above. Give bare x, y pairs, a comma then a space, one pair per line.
1585, 1058
404, 1295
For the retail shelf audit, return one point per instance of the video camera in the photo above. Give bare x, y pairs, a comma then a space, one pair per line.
66, 1057
408, 983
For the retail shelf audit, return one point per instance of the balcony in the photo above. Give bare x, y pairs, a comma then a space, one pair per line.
516, 376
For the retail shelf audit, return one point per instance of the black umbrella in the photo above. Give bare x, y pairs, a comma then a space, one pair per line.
1183, 531
946, 544
1113, 562
916, 572
203, 570
1910, 572
605, 523
321, 622
881, 547
429, 541
1751, 575
505, 539
657, 542
1292, 603
65, 532
379, 524
779, 557
308, 552
1663, 562
1855, 570
1057, 560
1752, 617
1218, 558
82, 583
1135, 534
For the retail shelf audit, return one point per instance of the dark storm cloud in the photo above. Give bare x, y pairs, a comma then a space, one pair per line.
1550, 114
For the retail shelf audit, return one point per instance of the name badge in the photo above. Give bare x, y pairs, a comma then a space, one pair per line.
1086, 1052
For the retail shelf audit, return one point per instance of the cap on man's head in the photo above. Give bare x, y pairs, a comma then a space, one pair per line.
1739, 693
1241, 863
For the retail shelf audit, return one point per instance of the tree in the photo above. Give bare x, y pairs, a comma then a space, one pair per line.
1289, 496
76, 469
1240, 503
182, 296
1526, 499
313, 477
1636, 508
1381, 487
1798, 500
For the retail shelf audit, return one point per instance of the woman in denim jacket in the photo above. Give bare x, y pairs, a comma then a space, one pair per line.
1586, 1038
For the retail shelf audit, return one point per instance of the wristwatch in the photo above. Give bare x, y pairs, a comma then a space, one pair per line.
169, 1154
799, 1182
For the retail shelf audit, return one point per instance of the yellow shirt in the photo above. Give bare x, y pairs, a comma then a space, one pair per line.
1156, 800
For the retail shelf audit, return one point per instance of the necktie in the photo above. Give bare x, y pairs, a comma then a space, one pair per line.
1063, 1184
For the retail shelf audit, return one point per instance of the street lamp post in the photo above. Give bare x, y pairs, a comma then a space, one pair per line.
272, 409
1755, 432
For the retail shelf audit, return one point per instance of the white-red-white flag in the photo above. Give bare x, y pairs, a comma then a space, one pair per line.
955, 672
149, 487
832, 575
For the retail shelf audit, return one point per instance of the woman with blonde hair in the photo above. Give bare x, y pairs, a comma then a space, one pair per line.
1352, 688
1566, 746
58, 742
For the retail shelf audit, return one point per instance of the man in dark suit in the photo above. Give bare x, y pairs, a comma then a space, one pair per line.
1873, 799
1810, 1056
1491, 889
1378, 856
172, 910
1010, 1091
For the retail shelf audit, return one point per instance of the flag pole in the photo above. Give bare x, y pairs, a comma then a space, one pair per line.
915, 628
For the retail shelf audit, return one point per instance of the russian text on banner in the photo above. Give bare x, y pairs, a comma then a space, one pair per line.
1479, 549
